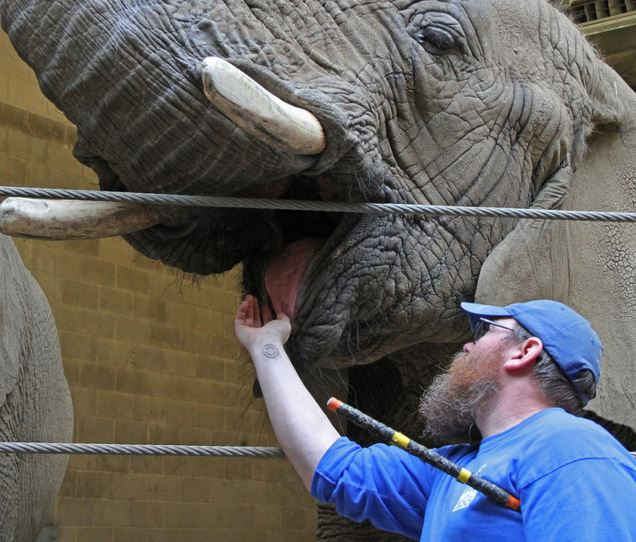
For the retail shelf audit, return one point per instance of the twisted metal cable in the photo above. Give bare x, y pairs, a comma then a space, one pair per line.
138, 449
322, 206
142, 449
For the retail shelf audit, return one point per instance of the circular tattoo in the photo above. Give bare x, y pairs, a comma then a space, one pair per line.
271, 351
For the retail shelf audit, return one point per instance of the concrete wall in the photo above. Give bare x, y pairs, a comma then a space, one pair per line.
150, 358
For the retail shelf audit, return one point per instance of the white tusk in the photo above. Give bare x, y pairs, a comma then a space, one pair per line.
260, 113
72, 219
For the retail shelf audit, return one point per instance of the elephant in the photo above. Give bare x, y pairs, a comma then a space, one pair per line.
495, 103
35, 401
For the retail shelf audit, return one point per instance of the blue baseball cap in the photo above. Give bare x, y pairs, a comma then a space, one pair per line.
567, 337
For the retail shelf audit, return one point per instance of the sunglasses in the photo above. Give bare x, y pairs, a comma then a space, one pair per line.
483, 327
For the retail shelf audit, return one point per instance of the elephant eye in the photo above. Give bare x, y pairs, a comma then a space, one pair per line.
435, 39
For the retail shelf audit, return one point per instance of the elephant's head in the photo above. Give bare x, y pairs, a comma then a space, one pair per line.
462, 102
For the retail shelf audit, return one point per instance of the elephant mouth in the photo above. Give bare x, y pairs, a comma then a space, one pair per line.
281, 277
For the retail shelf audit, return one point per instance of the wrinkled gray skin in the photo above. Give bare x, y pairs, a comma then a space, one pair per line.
35, 403
491, 103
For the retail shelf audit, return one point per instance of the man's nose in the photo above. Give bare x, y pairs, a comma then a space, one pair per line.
468, 347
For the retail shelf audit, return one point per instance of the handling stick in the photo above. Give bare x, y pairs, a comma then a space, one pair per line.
500, 496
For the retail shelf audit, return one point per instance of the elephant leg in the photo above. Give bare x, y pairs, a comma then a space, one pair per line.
8, 496
388, 390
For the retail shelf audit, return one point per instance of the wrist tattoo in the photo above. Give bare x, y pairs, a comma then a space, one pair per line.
271, 351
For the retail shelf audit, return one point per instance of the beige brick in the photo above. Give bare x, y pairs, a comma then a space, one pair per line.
84, 321
239, 516
181, 413
98, 271
164, 336
114, 404
131, 432
77, 345
146, 487
79, 294
178, 313
267, 470
112, 352
194, 515
293, 518
201, 467
245, 420
115, 301
195, 342
112, 463
97, 377
132, 279
195, 490
211, 417
147, 464
14, 168
75, 511
143, 383
223, 347
26, 95
95, 534
180, 363
4, 89
163, 434
209, 368
67, 534
151, 308
266, 517
95, 429
146, 514
172, 535
68, 485
291, 536
81, 462
72, 370
239, 470
129, 329
148, 358
93, 485
150, 409
88, 247
130, 535
84, 402
195, 436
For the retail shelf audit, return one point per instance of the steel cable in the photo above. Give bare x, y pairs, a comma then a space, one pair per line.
144, 198
137, 449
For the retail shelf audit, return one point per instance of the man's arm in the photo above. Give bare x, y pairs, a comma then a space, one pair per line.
301, 427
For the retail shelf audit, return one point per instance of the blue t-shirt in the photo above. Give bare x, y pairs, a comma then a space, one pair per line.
574, 480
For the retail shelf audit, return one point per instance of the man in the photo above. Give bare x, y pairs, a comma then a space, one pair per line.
530, 366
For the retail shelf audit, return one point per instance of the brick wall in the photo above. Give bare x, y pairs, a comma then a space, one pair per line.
150, 358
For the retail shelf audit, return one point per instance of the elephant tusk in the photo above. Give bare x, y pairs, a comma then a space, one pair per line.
260, 113
66, 219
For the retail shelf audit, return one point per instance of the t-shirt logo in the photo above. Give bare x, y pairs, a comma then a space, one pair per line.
467, 497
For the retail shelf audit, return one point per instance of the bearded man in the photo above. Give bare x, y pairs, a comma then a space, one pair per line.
511, 397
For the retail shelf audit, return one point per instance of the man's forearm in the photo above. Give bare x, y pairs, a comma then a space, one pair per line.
302, 428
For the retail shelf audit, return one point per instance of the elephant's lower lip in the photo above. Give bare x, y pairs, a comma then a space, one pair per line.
284, 273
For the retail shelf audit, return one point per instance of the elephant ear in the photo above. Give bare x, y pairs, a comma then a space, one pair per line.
11, 316
589, 266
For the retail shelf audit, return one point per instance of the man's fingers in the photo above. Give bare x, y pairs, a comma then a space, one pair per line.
249, 320
241, 312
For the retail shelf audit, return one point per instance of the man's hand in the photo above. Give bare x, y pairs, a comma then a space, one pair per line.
302, 428
252, 326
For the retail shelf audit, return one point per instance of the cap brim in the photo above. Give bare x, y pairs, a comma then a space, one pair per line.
476, 311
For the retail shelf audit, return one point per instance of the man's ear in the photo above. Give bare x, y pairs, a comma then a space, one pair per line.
524, 356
